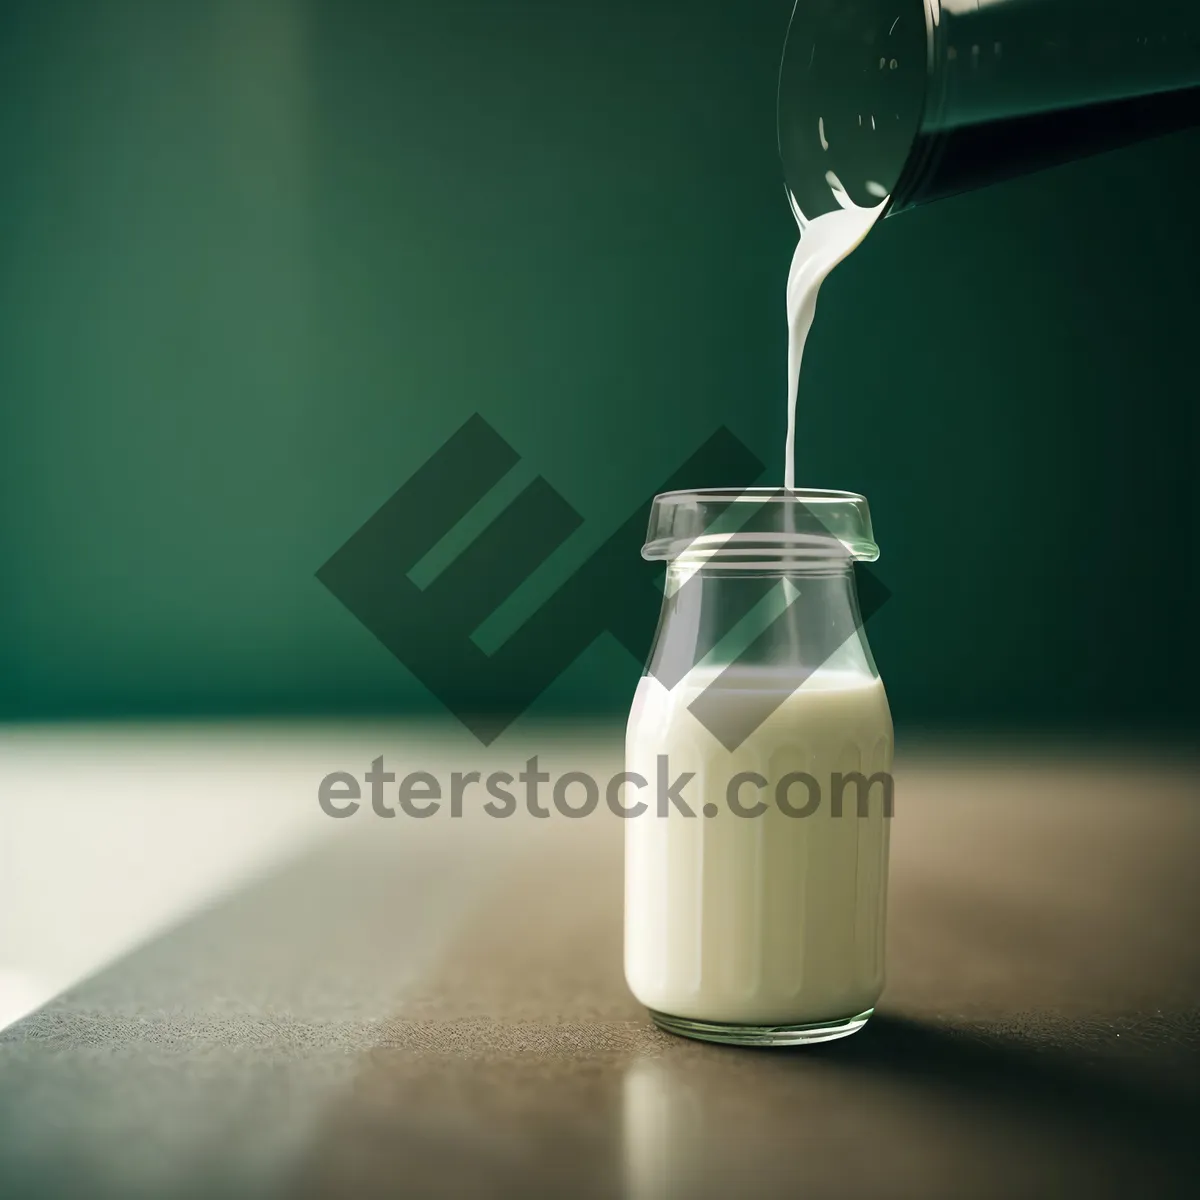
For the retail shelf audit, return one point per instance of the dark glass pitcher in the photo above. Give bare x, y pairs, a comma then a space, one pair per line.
920, 99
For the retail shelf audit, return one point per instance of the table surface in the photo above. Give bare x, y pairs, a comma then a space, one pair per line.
437, 1008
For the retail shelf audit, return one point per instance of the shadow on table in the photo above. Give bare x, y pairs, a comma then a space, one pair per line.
908, 1108
1062, 1066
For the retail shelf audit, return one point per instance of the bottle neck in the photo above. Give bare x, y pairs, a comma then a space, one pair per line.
790, 620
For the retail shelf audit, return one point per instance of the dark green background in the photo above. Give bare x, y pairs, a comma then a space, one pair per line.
259, 258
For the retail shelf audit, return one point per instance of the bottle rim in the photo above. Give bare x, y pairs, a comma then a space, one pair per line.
764, 528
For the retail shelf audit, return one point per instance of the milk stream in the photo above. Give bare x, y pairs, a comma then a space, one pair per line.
824, 242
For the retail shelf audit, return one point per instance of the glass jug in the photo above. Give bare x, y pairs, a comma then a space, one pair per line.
756, 879
920, 99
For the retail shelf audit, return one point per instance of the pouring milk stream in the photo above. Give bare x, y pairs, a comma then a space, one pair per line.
824, 242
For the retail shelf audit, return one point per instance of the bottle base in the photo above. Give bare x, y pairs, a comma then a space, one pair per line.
762, 1035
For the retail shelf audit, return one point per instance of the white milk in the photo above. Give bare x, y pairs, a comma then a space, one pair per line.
824, 242
771, 919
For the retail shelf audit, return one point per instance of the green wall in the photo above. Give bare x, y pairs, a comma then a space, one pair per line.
259, 259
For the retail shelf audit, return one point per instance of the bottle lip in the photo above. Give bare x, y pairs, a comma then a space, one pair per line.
761, 528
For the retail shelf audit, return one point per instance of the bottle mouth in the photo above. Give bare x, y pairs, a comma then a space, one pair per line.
760, 528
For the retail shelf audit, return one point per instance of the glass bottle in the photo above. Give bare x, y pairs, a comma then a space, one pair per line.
756, 876
920, 99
